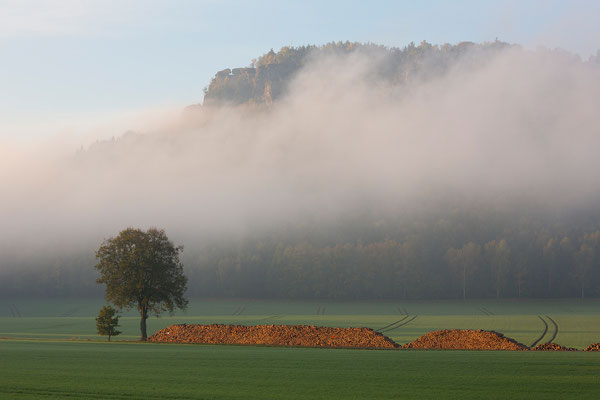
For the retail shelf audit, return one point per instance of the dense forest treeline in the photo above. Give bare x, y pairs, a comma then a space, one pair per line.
460, 255
472, 254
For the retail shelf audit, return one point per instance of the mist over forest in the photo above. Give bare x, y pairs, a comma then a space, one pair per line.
339, 171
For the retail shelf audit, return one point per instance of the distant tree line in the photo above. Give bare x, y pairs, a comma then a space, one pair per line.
464, 256
470, 254
49, 273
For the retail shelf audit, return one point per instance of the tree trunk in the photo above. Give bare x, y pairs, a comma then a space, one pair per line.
143, 325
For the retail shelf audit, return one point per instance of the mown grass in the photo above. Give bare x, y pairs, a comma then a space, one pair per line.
42, 367
79, 370
579, 321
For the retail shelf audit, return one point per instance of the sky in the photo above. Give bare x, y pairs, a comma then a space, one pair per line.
95, 67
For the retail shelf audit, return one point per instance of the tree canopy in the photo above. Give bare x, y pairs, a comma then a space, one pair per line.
142, 269
107, 322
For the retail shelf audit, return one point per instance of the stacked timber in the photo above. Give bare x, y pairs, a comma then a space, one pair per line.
593, 347
552, 347
465, 339
274, 335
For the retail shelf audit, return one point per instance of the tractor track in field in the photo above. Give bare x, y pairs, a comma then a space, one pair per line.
485, 311
404, 321
239, 310
70, 312
546, 329
14, 311
402, 310
270, 317
393, 323
543, 332
321, 310
555, 329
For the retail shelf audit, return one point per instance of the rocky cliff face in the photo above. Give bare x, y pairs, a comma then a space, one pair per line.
260, 85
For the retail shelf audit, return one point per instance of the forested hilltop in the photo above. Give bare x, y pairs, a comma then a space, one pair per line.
357, 171
267, 77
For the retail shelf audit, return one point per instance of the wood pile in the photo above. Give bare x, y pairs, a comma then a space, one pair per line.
318, 336
593, 347
274, 335
465, 339
552, 347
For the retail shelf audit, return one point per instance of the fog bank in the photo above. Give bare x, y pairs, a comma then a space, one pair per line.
517, 128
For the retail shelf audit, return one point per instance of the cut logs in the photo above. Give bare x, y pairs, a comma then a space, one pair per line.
593, 347
319, 336
465, 339
274, 335
552, 347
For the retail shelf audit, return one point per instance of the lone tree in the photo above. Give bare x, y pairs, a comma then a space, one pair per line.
107, 322
142, 269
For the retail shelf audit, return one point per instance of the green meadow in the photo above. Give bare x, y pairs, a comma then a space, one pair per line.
49, 349
577, 322
80, 370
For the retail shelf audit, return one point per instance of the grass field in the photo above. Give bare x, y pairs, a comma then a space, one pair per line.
49, 349
577, 322
80, 370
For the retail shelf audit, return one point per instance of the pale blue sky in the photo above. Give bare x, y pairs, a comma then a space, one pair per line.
66, 61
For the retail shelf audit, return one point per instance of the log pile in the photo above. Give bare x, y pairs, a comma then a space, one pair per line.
465, 339
593, 347
317, 336
552, 347
274, 335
